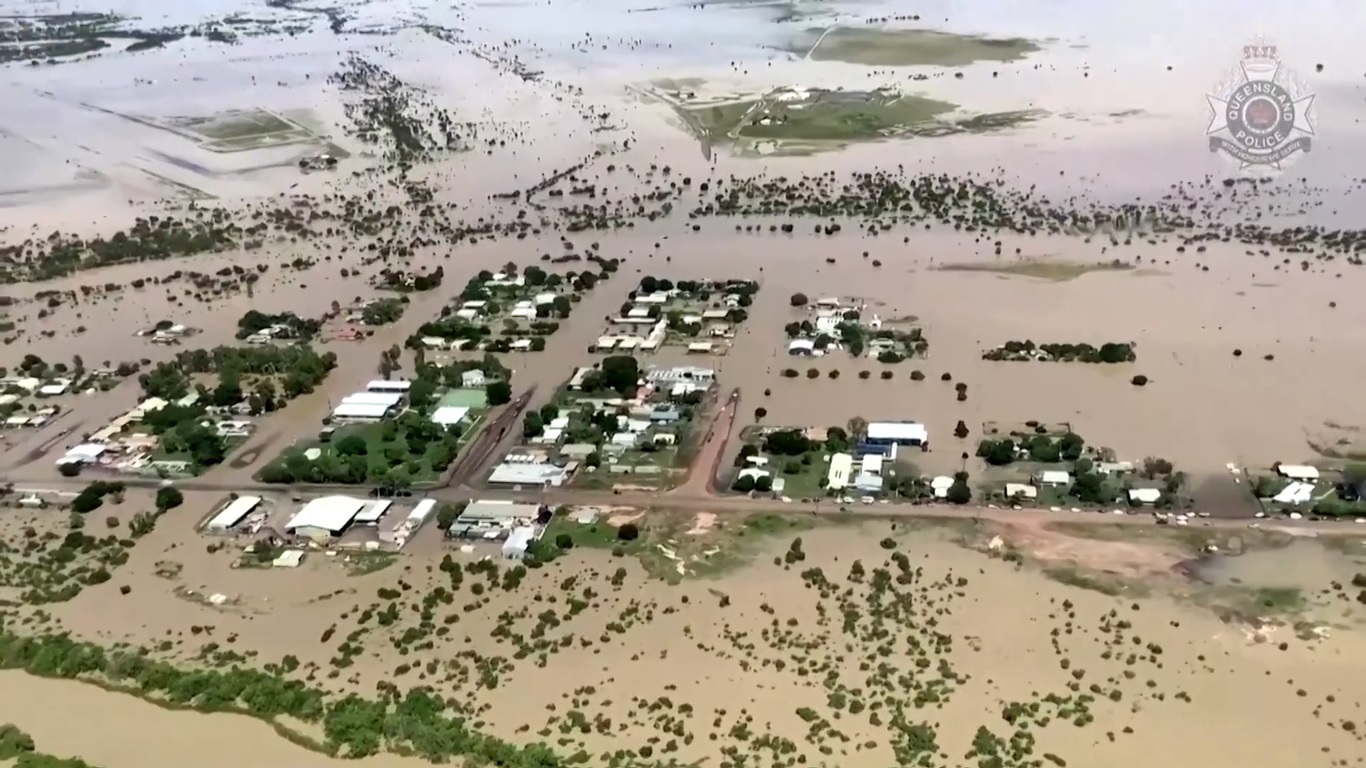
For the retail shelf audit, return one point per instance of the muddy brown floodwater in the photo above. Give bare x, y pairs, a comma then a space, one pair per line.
716, 639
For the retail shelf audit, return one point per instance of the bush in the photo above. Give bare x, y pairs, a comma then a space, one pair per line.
959, 493
798, 300
888, 543
1139, 380
565, 541
834, 374
866, 374
628, 532
812, 373
960, 431
69, 468
169, 498
760, 413
789, 373
111, 522
499, 393
917, 375
125, 589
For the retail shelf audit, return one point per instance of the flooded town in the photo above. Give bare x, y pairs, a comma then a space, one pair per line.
740, 383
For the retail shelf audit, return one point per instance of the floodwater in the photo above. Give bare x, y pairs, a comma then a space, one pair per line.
1011, 634
1125, 91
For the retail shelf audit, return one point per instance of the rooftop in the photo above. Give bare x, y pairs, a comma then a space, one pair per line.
497, 510
331, 513
527, 474
898, 430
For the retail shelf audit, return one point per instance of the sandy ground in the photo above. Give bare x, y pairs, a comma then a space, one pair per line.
1125, 89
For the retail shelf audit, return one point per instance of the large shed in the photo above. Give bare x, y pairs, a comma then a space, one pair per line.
898, 433
232, 514
325, 517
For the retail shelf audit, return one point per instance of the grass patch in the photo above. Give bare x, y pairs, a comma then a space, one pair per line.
371, 562
1056, 271
598, 534
907, 47
1104, 583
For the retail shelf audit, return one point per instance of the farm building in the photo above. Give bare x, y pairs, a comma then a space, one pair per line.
232, 514
888, 433
325, 518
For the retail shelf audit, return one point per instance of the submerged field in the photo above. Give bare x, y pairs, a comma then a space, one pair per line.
907, 47
802, 120
777, 640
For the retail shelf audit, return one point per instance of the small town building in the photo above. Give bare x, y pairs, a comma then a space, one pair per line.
448, 415
886, 433
384, 385
801, 347
232, 514
368, 406
519, 538
372, 512
324, 518
1053, 478
1144, 495
940, 486
1301, 472
841, 467
531, 474
578, 451
85, 453
688, 373
1021, 491
473, 378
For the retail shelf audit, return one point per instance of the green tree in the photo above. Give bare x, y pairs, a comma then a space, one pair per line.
959, 492
446, 514
620, 373
169, 498
352, 445
499, 393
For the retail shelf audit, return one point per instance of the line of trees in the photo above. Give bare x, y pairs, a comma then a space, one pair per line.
1113, 352
419, 721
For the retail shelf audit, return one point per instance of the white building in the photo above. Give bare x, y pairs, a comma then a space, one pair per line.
324, 518
447, 415
518, 540
897, 433
1021, 491
232, 514
1301, 472
841, 466
537, 474
367, 406
384, 385
1053, 477
1144, 496
940, 486
474, 378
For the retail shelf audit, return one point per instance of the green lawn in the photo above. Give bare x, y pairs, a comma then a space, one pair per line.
806, 482
596, 535
386, 449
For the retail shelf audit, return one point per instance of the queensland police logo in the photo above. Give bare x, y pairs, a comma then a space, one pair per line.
1263, 116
